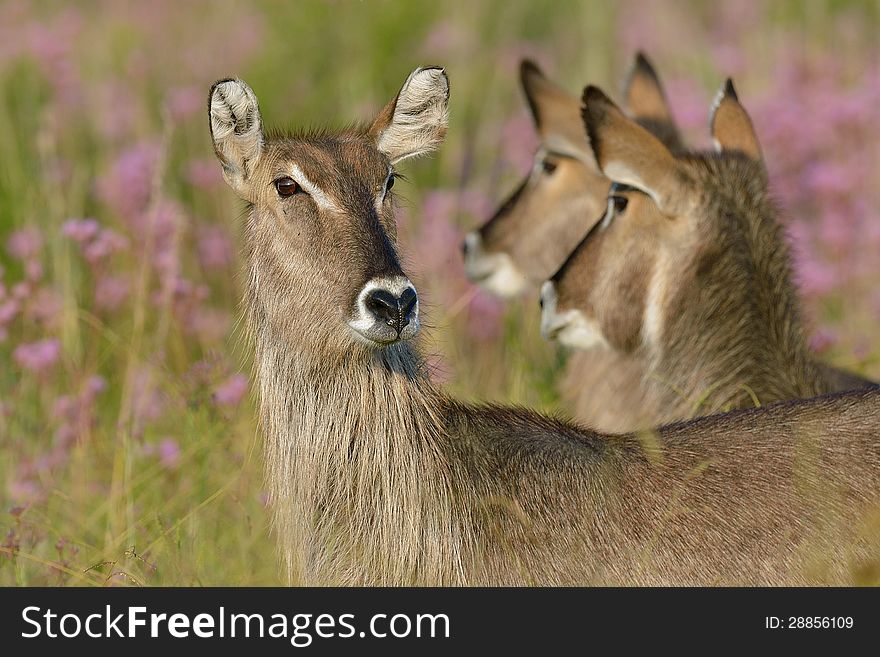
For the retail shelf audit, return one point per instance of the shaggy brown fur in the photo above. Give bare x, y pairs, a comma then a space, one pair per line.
724, 307
377, 477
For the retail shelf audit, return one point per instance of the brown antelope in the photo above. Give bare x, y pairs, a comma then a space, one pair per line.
687, 271
377, 477
535, 230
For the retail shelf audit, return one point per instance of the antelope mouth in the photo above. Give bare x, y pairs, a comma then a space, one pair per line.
496, 273
551, 332
478, 276
555, 327
570, 327
551, 322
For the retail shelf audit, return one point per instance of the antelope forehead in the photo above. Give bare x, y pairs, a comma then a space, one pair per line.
321, 198
333, 176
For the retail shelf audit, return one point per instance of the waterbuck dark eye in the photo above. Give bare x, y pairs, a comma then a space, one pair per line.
548, 166
287, 187
619, 203
389, 183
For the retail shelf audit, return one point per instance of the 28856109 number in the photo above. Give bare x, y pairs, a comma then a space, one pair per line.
809, 622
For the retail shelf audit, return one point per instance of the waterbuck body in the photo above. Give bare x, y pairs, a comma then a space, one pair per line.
377, 477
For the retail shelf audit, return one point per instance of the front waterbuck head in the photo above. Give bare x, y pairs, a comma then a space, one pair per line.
533, 232
321, 236
686, 242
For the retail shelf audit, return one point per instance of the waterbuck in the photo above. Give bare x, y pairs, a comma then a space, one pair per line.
377, 477
687, 271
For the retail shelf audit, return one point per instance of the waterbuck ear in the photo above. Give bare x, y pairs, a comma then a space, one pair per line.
643, 93
556, 114
236, 130
414, 122
730, 125
627, 153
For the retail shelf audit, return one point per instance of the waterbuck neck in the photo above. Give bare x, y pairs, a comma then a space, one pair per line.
359, 487
735, 335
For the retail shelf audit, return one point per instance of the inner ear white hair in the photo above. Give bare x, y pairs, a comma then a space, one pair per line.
236, 130
415, 121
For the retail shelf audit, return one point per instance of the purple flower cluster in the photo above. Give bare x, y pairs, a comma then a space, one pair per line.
84, 369
37, 357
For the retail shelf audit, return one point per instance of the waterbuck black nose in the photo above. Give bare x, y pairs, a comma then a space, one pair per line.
395, 311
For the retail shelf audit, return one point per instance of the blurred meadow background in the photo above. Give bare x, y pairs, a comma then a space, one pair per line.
128, 445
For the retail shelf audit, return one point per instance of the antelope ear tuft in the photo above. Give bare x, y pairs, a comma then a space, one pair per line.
730, 125
415, 121
236, 131
528, 69
729, 90
596, 109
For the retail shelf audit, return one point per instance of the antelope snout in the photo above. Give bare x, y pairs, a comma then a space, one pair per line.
550, 321
387, 311
394, 311
569, 327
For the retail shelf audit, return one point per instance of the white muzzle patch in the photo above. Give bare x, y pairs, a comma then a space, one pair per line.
571, 327
494, 272
372, 329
